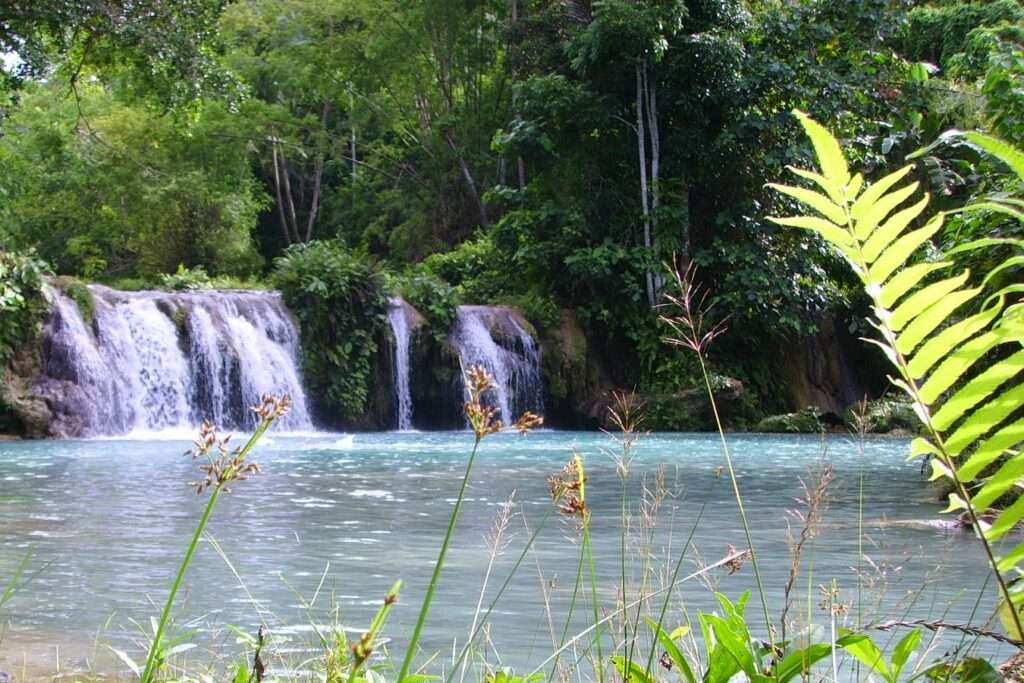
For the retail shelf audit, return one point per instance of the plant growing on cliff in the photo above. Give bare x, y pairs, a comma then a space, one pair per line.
340, 302
22, 303
962, 372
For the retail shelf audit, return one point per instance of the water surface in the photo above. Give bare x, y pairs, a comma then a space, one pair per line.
106, 522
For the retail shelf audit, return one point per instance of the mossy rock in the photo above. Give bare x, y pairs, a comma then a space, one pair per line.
79, 292
806, 421
886, 416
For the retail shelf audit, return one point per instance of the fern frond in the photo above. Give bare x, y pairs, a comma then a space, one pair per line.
969, 404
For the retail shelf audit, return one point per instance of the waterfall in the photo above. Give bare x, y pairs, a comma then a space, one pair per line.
162, 360
399, 321
495, 337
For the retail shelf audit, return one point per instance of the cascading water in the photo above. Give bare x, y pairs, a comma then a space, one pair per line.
161, 360
495, 337
399, 321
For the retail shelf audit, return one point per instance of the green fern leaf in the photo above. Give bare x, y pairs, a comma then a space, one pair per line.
931, 318
1003, 151
905, 280
923, 298
818, 202
892, 229
871, 195
977, 390
991, 449
877, 212
830, 154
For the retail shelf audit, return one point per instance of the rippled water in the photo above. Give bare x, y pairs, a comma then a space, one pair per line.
106, 522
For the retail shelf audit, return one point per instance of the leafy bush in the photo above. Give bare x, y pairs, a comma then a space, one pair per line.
186, 278
21, 299
431, 296
339, 299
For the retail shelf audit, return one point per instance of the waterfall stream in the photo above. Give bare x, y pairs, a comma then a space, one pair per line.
496, 338
163, 360
399, 320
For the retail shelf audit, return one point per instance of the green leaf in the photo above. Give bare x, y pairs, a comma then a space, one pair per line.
635, 672
891, 229
931, 318
816, 201
957, 363
737, 647
938, 347
833, 234
876, 213
901, 653
991, 449
799, 662
830, 154
897, 254
871, 195
1011, 516
835, 192
978, 389
984, 419
921, 300
675, 654
905, 280
867, 653
1000, 149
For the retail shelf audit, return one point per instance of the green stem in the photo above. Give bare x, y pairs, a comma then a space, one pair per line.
739, 503
593, 597
568, 618
429, 597
165, 616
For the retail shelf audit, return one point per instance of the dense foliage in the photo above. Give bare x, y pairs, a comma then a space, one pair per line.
21, 300
550, 155
338, 298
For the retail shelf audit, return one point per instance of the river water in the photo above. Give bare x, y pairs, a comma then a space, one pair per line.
320, 535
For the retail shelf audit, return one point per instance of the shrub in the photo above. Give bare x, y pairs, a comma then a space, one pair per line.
432, 296
186, 278
22, 304
338, 297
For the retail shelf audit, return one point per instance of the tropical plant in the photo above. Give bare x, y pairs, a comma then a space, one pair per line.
962, 372
339, 300
21, 298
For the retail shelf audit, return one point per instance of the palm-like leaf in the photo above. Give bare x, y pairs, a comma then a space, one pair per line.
968, 403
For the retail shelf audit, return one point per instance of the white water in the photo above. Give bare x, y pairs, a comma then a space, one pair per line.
399, 321
163, 361
511, 357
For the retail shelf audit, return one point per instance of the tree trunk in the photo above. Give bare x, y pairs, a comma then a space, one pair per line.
280, 200
318, 172
290, 200
641, 139
468, 175
651, 85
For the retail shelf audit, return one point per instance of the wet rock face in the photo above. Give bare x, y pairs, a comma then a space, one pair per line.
577, 389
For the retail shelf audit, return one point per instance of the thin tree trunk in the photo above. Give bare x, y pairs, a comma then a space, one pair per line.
280, 200
641, 138
468, 175
289, 198
651, 85
318, 172
352, 137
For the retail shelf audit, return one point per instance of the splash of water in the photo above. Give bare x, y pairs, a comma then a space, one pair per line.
162, 360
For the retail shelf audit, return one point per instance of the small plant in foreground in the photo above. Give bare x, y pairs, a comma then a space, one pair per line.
483, 422
223, 466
